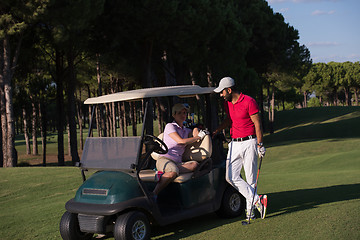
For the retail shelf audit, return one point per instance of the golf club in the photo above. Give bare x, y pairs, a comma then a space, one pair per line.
247, 222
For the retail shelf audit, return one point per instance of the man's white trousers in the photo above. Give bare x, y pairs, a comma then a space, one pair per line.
243, 154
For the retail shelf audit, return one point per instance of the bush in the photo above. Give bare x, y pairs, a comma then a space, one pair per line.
314, 102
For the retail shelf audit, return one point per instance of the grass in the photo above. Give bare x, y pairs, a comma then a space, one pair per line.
32, 200
311, 174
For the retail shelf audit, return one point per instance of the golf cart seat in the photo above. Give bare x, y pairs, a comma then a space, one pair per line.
199, 151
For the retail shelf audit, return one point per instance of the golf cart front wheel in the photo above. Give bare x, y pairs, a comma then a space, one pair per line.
132, 225
70, 230
232, 205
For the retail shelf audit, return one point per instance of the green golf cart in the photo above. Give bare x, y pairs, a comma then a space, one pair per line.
116, 198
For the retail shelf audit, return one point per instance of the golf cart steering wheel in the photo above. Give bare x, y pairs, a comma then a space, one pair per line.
157, 144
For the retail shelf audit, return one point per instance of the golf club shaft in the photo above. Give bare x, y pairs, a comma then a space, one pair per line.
255, 188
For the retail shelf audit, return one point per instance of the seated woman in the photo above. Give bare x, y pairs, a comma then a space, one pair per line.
176, 137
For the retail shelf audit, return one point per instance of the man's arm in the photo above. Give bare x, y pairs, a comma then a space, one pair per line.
226, 123
258, 128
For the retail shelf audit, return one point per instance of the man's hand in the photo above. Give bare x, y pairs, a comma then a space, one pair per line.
261, 151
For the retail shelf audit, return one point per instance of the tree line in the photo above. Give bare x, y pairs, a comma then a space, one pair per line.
334, 83
56, 53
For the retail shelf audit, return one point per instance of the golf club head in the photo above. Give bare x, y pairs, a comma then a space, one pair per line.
245, 222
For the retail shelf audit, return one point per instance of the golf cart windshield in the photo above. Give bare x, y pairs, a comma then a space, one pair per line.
113, 153
117, 153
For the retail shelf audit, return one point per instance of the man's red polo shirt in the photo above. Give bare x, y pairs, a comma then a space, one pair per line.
239, 114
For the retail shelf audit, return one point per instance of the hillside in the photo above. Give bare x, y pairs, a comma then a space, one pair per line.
315, 123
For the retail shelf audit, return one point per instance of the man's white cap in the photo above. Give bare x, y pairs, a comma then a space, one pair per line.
225, 82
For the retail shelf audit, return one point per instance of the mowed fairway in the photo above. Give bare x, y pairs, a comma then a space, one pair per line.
311, 174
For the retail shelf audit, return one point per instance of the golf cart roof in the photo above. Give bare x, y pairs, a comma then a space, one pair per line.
132, 95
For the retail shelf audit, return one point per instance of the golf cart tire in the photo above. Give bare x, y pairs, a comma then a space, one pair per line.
132, 225
69, 228
232, 205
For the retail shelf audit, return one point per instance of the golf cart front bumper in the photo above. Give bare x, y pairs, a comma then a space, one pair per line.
106, 209
94, 218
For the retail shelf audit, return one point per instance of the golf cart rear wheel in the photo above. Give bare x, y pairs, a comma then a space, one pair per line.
69, 228
132, 225
232, 205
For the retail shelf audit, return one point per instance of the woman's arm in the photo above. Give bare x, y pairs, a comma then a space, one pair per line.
189, 140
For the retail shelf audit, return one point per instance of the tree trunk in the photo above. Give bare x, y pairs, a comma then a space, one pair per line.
121, 119
98, 120
100, 117
348, 96
1, 149
26, 133
2, 110
148, 47
159, 114
212, 103
80, 120
305, 99
12, 160
121, 110
272, 111
34, 124
69, 145
113, 107
90, 111
60, 106
42, 130
133, 118
71, 106
9, 65
126, 132
336, 98
108, 119
169, 69
3, 127
283, 102
261, 105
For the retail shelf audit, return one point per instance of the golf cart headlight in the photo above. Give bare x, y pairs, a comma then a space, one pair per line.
92, 191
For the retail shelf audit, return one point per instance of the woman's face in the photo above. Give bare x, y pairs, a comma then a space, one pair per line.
180, 116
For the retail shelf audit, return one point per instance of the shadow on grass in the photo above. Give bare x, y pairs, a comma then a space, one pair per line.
20, 139
48, 164
191, 227
348, 128
298, 200
279, 203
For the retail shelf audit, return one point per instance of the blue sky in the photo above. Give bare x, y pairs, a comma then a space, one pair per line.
328, 28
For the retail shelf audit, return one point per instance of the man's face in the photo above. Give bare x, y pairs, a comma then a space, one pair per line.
226, 94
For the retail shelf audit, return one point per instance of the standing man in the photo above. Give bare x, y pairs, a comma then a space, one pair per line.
242, 116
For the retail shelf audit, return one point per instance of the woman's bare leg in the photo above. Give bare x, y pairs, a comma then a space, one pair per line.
165, 179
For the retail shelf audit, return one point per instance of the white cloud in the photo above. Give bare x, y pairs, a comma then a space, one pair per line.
284, 10
318, 12
353, 57
322, 44
277, 1
337, 58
